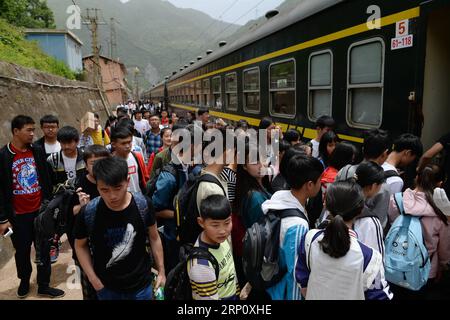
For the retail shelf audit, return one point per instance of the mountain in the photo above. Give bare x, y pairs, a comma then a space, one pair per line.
153, 35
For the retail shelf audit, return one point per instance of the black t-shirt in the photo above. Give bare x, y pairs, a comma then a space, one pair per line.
445, 141
118, 241
87, 186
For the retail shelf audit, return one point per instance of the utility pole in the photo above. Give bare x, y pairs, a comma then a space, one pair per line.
136, 83
91, 19
113, 39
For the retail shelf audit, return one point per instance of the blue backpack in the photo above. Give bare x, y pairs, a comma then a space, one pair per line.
406, 259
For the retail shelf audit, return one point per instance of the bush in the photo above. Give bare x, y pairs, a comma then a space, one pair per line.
15, 49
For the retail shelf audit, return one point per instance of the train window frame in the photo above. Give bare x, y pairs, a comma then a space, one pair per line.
208, 93
251, 91
280, 115
216, 92
350, 87
312, 88
227, 92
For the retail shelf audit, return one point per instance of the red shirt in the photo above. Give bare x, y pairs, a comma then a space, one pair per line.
27, 194
164, 121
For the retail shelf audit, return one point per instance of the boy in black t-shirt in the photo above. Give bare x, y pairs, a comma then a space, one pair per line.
117, 224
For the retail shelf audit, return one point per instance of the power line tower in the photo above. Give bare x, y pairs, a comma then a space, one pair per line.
113, 39
92, 21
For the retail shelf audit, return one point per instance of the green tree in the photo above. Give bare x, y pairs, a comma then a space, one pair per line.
27, 13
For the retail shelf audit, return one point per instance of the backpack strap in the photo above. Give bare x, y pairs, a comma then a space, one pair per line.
212, 179
55, 160
90, 212
292, 213
398, 197
309, 239
202, 253
142, 205
390, 174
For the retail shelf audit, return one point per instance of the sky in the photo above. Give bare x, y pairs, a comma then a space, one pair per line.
229, 10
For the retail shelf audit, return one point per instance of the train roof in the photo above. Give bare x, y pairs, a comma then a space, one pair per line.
304, 10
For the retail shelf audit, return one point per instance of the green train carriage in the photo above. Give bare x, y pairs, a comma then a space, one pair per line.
368, 64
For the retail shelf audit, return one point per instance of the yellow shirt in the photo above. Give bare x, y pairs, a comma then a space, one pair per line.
97, 137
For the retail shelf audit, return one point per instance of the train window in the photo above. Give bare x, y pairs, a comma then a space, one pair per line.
231, 91
320, 85
251, 90
198, 91
365, 84
206, 92
282, 88
217, 92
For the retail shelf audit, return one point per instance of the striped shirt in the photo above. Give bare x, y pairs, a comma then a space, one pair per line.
229, 176
205, 285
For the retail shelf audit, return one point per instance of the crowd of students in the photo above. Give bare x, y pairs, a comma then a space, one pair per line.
134, 191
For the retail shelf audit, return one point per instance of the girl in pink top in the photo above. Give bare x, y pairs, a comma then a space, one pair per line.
435, 227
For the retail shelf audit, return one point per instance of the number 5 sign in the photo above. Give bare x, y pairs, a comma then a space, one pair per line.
402, 28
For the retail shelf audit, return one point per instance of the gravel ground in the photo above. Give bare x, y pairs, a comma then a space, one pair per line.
62, 274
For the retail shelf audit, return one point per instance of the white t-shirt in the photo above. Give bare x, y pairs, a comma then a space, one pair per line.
395, 183
52, 148
315, 148
141, 126
70, 167
133, 174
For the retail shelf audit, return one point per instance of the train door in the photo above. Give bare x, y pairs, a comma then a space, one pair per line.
436, 99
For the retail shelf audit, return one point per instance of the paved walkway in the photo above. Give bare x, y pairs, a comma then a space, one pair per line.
62, 274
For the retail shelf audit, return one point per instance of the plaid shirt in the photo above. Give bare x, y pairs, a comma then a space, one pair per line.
152, 142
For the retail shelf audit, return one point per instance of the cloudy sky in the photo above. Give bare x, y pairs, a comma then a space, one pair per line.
229, 10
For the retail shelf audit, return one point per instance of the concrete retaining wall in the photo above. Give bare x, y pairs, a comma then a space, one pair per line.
35, 93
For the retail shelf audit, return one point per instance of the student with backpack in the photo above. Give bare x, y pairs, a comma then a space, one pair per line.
208, 183
407, 148
66, 166
86, 189
25, 183
251, 192
332, 263
370, 177
376, 147
418, 206
114, 228
275, 269
68, 163
121, 138
252, 188
162, 189
215, 220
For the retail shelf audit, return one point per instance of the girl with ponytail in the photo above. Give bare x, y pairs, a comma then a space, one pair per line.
333, 264
369, 224
435, 227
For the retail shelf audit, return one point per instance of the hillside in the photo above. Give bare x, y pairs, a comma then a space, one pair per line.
154, 35
15, 49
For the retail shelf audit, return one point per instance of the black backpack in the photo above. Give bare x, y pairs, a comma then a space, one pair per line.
54, 215
151, 184
178, 285
261, 247
186, 210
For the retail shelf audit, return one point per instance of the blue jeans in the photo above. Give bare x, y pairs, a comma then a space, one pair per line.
143, 294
